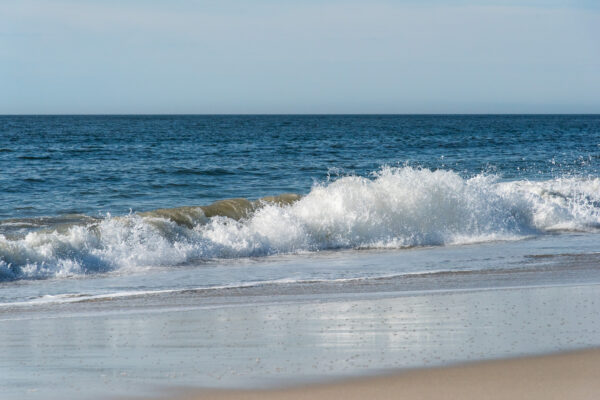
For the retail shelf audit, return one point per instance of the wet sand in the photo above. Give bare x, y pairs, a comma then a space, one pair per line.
563, 376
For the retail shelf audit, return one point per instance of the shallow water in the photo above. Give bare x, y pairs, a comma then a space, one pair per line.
113, 348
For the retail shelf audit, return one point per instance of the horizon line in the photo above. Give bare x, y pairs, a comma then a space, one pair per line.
285, 114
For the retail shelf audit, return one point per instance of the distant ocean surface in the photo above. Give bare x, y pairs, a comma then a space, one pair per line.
112, 196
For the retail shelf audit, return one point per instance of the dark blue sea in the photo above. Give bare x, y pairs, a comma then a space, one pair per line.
56, 165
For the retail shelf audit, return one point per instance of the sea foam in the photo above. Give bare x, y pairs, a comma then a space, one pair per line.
394, 208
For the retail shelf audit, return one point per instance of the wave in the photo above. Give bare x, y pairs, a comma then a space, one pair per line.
394, 208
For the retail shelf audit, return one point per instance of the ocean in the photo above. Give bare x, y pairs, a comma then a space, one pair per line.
128, 218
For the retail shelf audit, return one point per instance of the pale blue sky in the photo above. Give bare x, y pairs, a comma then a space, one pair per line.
267, 56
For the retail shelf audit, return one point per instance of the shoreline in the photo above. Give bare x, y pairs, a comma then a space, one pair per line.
572, 375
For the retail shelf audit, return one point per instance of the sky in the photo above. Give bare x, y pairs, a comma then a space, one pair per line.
299, 56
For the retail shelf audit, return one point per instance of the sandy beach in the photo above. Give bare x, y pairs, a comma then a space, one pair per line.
562, 376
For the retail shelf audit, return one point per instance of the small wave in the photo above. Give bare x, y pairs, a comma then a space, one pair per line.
34, 180
395, 208
235, 209
287, 285
206, 171
40, 157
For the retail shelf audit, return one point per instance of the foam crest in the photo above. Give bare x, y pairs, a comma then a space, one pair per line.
394, 208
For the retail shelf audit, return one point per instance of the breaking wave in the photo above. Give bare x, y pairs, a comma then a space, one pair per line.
395, 208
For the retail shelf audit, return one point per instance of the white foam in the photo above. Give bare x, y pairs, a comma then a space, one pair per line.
397, 207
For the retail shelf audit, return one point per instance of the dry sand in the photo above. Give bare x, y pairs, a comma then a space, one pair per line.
562, 376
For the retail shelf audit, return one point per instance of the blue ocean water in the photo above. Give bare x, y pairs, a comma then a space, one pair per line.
95, 194
52, 165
